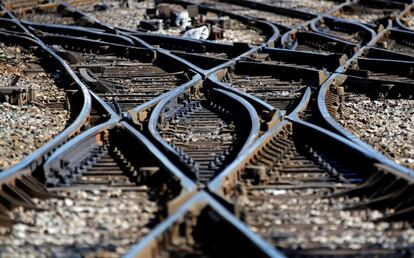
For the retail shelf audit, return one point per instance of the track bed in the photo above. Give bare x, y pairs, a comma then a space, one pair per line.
206, 135
281, 19
386, 124
309, 201
35, 107
123, 80
166, 19
85, 222
281, 94
99, 204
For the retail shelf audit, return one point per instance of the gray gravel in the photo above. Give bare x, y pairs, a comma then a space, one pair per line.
301, 219
388, 125
84, 224
129, 18
48, 18
234, 31
319, 6
120, 16
26, 128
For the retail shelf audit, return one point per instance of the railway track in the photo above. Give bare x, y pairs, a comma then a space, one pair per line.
199, 230
43, 106
100, 203
374, 13
163, 18
329, 62
393, 44
37, 104
228, 23
317, 42
202, 56
385, 105
205, 134
202, 134
309, 200
374, 69
278, 18
348, 31
183, 45
232, 161
277, 85
124, 77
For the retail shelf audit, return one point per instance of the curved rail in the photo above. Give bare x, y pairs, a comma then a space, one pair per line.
78, 31
346, 30
336, 127
158, 240
286, 142
264, 175
178, 98
31, 162
317, 42
271, 31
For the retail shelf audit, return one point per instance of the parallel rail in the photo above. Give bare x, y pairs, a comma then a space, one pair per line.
243, 120
292, 168
201, 134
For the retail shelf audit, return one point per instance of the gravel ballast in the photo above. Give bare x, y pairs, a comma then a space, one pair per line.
299, 220
386, 124
129, 18
93, 223
317, 6
23, 129
120, 16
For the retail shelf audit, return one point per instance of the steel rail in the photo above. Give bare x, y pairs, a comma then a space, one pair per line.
31, 162
252, 121
154, 241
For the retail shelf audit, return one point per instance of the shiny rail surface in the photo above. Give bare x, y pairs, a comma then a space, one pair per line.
210, 128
